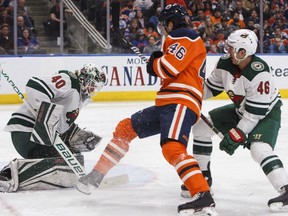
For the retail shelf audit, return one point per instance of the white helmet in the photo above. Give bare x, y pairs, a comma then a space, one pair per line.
92, 80
243, 39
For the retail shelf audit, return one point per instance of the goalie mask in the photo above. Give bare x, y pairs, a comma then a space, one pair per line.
92, 80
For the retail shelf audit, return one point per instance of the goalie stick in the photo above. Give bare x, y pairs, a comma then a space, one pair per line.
62, 148
204, 118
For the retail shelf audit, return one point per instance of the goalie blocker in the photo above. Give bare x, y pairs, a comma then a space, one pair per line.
45, 129
38, 174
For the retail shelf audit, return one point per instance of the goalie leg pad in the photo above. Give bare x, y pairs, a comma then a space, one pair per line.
42, 174
9, 177
46, 123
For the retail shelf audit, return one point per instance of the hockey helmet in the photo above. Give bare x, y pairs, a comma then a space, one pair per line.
92, 79
174, 13
243, 39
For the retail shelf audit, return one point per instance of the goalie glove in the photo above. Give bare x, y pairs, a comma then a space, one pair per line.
80, 140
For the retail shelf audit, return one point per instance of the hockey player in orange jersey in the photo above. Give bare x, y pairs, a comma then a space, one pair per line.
177, 107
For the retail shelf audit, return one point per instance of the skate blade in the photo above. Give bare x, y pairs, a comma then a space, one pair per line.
208, 211
278, 207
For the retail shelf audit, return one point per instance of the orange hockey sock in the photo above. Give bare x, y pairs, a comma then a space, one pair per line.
117, 147
186, 166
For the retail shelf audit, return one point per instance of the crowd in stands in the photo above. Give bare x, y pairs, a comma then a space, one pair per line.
137, 20
26, 32
212, 19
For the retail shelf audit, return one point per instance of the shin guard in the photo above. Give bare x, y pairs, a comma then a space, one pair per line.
186, 166
117, 147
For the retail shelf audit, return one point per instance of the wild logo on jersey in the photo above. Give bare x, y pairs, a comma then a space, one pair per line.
236, 75
237, 99
71, 116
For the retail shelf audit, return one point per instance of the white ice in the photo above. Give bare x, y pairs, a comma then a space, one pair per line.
240, 187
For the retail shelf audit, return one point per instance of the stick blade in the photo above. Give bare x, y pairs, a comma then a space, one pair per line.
114, 181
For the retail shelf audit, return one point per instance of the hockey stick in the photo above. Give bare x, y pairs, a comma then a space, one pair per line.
59, 145
137, 51
63, 150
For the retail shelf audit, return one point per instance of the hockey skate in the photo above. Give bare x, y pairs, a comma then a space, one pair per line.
207, 175
280, 203
89, 182
202, 204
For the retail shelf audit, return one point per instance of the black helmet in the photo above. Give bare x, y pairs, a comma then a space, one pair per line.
174, 13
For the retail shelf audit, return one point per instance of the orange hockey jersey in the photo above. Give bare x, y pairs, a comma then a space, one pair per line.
182, 68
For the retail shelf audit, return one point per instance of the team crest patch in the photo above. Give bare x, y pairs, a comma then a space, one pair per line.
257, 66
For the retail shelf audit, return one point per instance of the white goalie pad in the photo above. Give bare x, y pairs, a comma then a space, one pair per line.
45, 128
42, 174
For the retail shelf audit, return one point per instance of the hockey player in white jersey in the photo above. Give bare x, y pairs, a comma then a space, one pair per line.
252, 120
59, 98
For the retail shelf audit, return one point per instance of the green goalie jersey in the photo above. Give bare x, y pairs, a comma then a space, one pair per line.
252, 90
62, 88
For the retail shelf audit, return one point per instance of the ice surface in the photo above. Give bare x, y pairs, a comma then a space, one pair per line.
240, 187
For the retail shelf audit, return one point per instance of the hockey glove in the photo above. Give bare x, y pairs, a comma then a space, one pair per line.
80, 140
149, 66
232, 140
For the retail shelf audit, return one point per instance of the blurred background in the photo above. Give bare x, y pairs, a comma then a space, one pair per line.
48, 27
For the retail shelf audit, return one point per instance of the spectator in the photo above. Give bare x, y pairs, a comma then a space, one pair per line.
6, 18
21, 26
277, 46
249, 5
154, 18
206, 31
216, 18
151, 47
253, 16
200, 18
236, 21
150, 31
25, 11
5, 4
6, 41
140, 41
128, 10
143, 5
52, 26
142, 20
218, 39
213, 49
225, 28
240, 8
28, 44
193, 11
130, 32
279, 23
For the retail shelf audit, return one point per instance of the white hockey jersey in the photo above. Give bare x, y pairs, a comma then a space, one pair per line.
252, 90
62, 88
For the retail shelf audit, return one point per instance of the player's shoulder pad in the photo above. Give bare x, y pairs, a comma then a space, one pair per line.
184, 32
257, 66
74, 79
224, 62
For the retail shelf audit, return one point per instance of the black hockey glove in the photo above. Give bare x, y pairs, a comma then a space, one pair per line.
232, 140
149, 66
